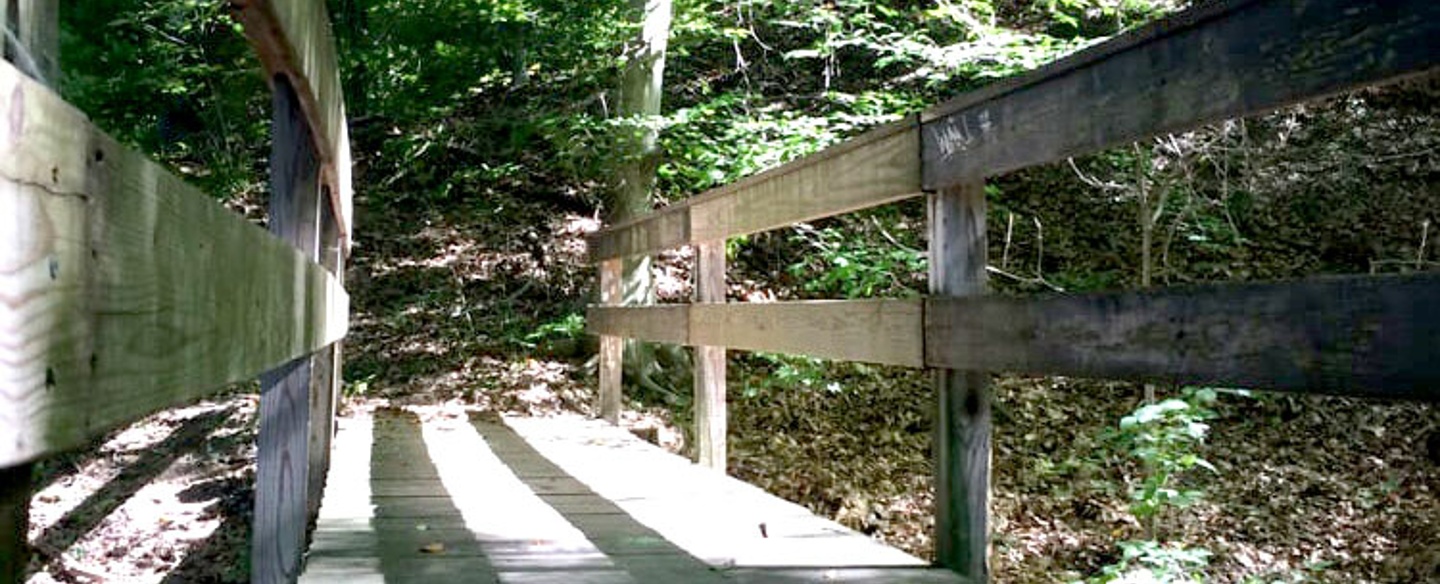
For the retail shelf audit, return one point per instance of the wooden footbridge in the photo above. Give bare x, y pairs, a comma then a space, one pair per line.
124, 291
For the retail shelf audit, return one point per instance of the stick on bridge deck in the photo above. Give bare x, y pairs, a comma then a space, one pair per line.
532, 500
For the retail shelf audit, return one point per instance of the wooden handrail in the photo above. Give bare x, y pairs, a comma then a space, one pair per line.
1374, 336
293, 39
1219, 61
881, 166
117, 279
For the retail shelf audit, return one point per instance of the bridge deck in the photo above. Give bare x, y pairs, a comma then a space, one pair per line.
527, 500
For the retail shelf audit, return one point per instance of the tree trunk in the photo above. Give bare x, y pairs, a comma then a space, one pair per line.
638, 154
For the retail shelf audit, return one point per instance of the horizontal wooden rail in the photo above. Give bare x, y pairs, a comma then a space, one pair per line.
122, 289
1371, 335
293, 39
1367, 336
1224, 60
878, 167
873, 331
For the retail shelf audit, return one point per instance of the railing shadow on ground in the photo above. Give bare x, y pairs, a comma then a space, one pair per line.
191, 435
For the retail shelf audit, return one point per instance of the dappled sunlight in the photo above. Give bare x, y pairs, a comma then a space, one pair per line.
167, 487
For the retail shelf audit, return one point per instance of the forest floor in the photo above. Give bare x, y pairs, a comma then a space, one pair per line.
446, 300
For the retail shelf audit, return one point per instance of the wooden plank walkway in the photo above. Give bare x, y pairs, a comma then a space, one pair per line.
540, 500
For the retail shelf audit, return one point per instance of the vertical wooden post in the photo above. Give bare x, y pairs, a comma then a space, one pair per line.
282, 482
30, 38
30, 35
326, 375
40, 35
9, 33
710, 415
962, 427
612, 348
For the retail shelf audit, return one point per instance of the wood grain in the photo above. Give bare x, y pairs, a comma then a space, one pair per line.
873, 331
119, 280
879, 167
293, 40
285, 445
1372, 335
612, 348
38, 33
710, 411
327, 372
36, 46
668, 323
1225, 60
962, 425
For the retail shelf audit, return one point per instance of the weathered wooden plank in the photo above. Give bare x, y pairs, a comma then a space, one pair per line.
327, 371
281, 475
119, 280
612, 348
285, 445
663, 229
962, 423
35, 46
879, 167
873, 331
293, 41
1373, 335
710, 414
1224, 60
668, 323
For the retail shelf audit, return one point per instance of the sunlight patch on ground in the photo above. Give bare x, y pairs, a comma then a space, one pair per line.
134, 512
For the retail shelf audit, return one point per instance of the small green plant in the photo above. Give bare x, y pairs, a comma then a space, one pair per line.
1149, 561
849, 270
1164, 437
567, 328
789, 371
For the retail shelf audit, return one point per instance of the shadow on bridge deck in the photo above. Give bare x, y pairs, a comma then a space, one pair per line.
539, 500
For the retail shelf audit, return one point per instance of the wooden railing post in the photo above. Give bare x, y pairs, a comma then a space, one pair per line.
962, 426
282, 481
30, 38
30, 35
327, 371
612, 348
710, 415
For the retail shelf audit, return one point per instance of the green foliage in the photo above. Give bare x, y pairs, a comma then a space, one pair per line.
1070, 18
568, 327
1164, 437
787, 371
1151, 562
413, 59
736, 134
848, 270
175, 78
